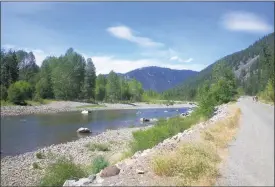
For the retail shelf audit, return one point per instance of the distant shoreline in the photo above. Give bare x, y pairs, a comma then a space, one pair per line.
67, 106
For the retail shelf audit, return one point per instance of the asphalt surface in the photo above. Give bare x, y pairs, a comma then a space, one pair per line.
251, 156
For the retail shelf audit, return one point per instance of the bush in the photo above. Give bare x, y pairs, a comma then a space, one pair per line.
98, 164
60, 171
145, 139
39, 155
19, 92
268, 93
4, 93
97, 146
35, 165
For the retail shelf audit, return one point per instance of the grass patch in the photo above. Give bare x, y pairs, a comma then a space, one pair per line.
97, 146
98, 164
39, 155
188, 164
35, 165
60, 171
6, 103
196, 164
90, 106
145, 139
223, 131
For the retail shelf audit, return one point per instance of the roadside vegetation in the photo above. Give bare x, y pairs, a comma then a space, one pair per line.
97, 146
221, 90
197, 163
60, 171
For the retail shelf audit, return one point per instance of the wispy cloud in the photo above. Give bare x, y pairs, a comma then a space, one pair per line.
176, 58
126, 65
126, 33
245, 21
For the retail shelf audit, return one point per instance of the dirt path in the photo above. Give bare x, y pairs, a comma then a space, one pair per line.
251, 156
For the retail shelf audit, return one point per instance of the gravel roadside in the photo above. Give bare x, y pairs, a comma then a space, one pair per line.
251, 156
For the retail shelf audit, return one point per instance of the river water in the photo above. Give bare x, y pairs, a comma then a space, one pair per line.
20, 134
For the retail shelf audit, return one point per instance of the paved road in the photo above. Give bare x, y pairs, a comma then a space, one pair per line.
251, 156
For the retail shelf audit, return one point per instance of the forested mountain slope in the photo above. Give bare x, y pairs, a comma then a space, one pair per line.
159, 79
249, 65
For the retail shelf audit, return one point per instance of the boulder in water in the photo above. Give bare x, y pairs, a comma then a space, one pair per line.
83, 130
144, 120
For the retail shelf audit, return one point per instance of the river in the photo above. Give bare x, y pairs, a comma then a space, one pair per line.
20, 134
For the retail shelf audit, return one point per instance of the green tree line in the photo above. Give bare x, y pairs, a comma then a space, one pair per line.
67, 77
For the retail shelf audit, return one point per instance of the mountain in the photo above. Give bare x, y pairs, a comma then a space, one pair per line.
157, 78
245, 64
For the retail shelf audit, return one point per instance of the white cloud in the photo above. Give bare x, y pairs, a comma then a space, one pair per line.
245, 21
188, 60
124, 32
104, 64
176, 58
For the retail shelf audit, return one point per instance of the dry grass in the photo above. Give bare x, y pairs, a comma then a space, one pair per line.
197, 164
190, 163
97, 146
223, 131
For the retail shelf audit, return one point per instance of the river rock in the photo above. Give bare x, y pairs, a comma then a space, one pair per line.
83, 130
144, 120
110, 171
140, 171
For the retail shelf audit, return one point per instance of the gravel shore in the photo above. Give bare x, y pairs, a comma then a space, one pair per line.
64, 106
18, 170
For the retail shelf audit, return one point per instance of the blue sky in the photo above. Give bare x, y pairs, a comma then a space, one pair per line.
123, 36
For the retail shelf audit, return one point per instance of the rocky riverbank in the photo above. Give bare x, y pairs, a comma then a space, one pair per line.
65, 106
19, 171
136, 171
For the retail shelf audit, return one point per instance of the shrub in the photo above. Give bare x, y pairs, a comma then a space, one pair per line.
19, 92
98, 164
4, 93
35, 165
39, 155
145, 139
97, 146
60, 171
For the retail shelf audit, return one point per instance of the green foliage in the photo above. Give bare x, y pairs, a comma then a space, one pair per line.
35, 165
98, 164
113, 87
68, 76
60, 171
136, 90
268, 93
19, 92
4, 93
150, 95
100, 90
9, 71
146, 139
39, 155
89, 80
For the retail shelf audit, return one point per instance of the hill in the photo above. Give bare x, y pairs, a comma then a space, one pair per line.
245, 64
159, 79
